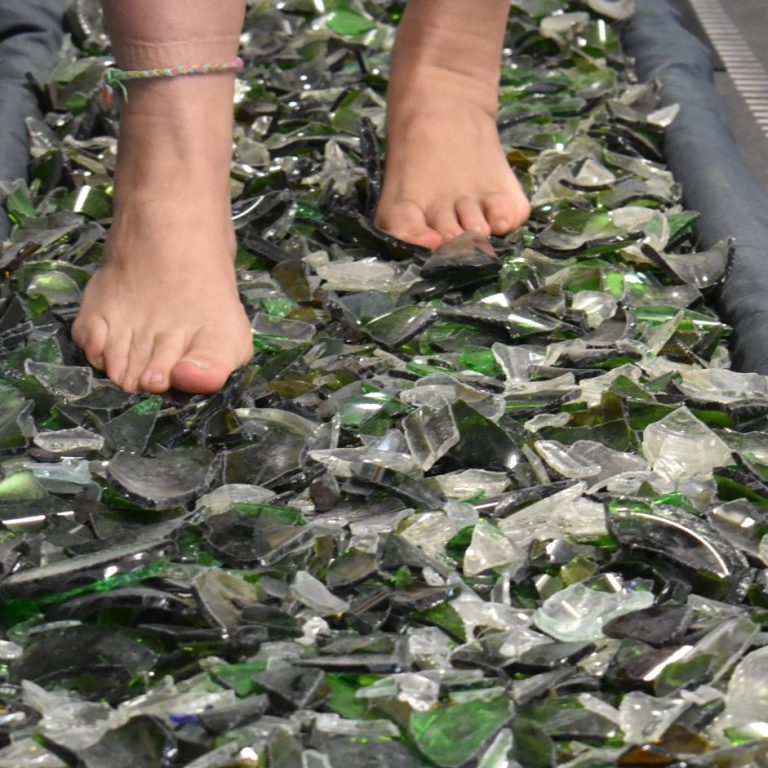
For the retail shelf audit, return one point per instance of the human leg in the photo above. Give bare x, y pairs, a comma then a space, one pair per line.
163, 309
446, 171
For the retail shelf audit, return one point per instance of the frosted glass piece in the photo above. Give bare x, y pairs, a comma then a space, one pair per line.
356, 275
682, 446
563, 512
645, 718
471, 482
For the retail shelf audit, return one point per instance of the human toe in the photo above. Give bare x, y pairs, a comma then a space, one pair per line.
505, 211
442, 217
166, 353
116, 355
426, 238
201, 371
406, 221
471, 216
91, 336
206, 365
138, 357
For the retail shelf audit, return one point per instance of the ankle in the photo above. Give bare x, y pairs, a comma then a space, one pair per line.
443, 35
165, 159
163, 172
422, 73
185, 110
430, 89
176, 134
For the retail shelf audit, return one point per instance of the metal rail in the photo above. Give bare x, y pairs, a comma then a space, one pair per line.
745, 70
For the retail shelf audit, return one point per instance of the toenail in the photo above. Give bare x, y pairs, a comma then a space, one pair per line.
154, 378
501, 224
196, 362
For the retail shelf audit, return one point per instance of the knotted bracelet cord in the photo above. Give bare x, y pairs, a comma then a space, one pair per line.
113, 77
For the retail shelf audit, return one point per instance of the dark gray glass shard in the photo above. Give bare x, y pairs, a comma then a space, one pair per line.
682, 540
138, 599
247, 533
341, 749
143, 740
278, 624
56, 655
659, 625
482, 443
399, 326
467, 255
151, 545
222, 720
131, 430
170, 479
291, 687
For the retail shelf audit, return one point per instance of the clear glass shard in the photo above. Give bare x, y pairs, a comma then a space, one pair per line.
564, 461
468, 483
716, 385
222, 499
498, 753
578, 612
314, 594
64, 381
69, 442
746, 699
518, 640
566, 511
491, 549
430, 434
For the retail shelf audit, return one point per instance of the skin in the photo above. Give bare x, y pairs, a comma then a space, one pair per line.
163, 309
446, 171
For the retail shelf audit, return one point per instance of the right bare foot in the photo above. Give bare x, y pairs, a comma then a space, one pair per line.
163, 309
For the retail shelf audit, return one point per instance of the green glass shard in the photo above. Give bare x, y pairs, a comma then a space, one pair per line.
452, 734
347, 22
238, 677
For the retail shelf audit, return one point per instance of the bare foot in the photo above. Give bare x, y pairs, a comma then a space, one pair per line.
446, 171
163, 309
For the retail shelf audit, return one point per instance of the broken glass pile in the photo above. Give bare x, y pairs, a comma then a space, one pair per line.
499, 505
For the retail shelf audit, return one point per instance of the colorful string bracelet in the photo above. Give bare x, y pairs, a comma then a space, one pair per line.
113, 77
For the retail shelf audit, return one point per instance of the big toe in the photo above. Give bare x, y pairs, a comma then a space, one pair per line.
206, 366
407, 221
506, 211
91, 336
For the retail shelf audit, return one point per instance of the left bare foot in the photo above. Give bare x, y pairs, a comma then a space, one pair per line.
446, 171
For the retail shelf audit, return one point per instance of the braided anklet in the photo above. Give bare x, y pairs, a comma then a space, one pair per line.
113, 77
